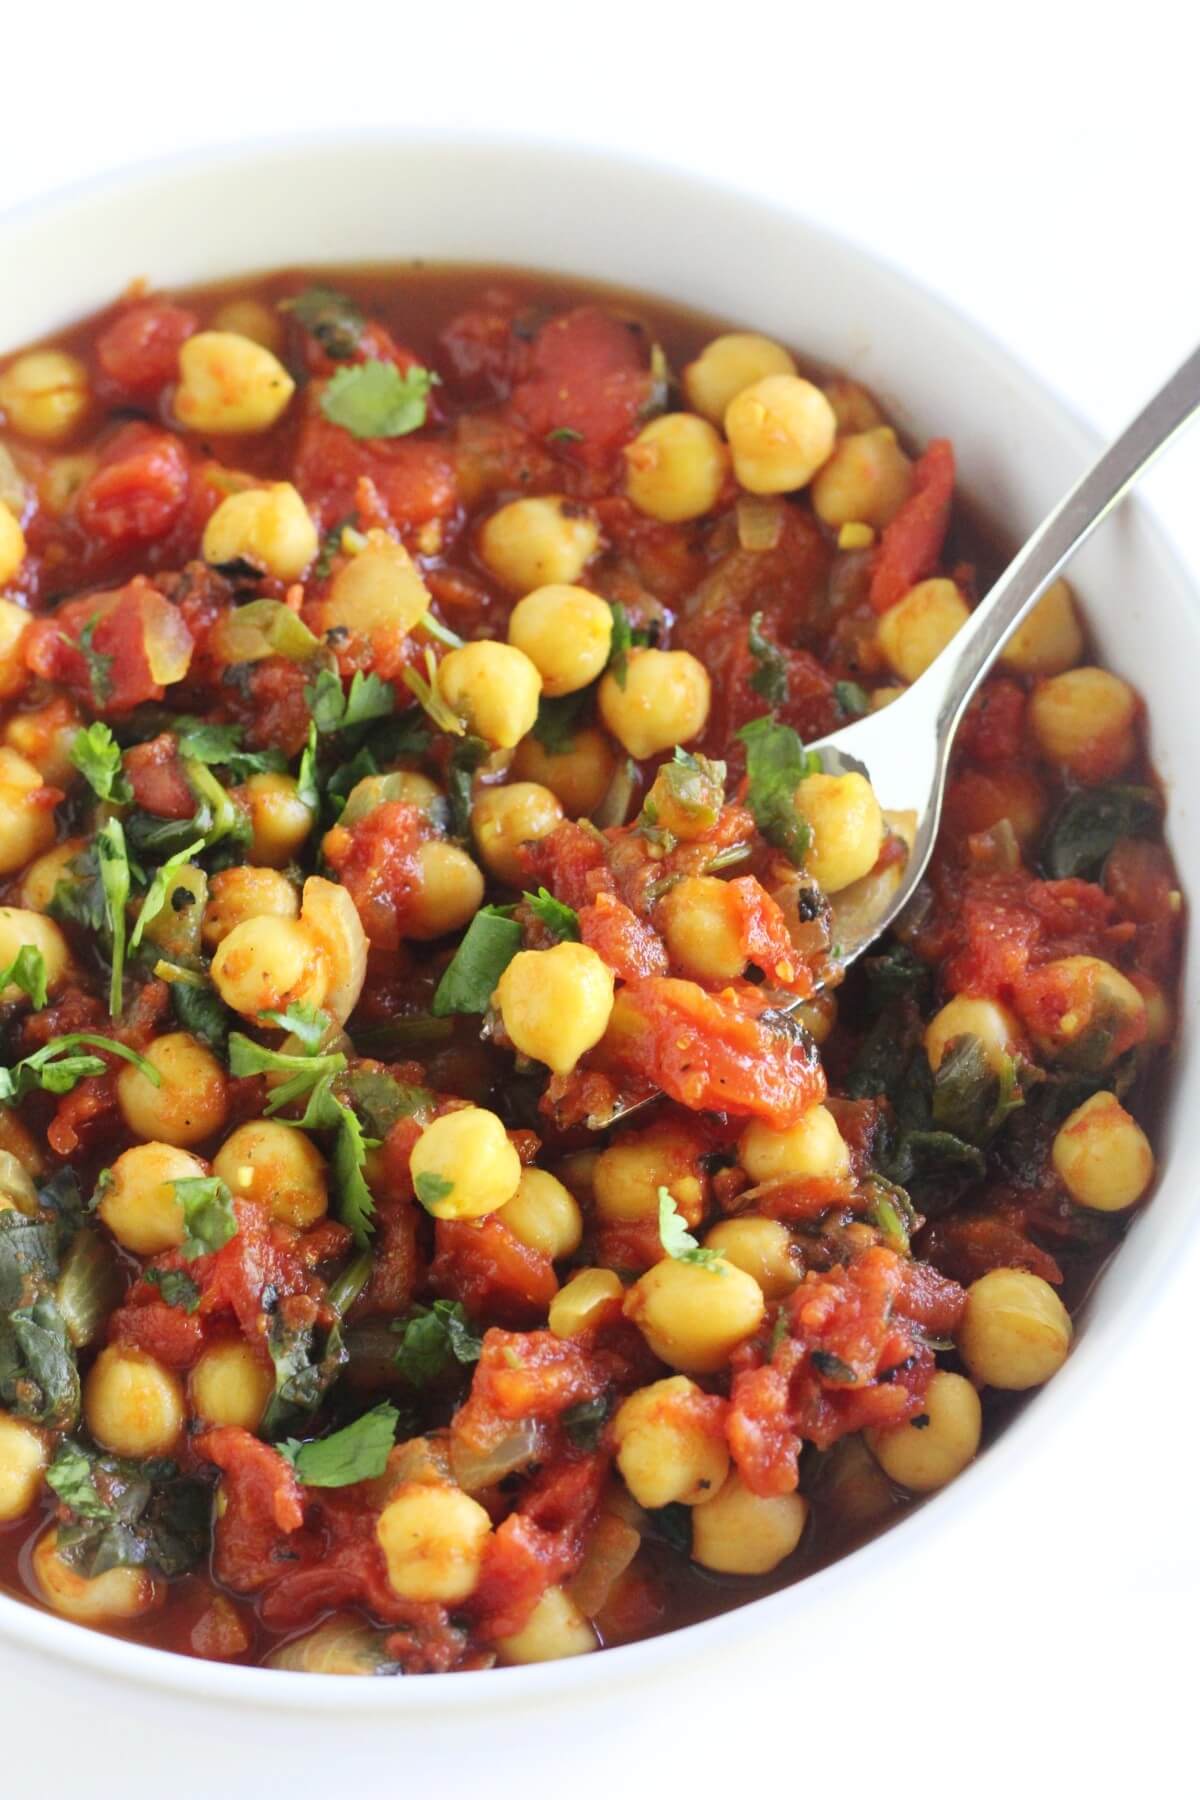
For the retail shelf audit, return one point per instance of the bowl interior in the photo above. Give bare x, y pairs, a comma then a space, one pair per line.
386, 199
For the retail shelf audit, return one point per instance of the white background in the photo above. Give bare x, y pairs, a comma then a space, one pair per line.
1038, 167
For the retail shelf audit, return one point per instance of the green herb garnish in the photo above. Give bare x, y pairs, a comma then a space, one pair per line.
374, 400
488, 946
770, 679
208, 1214
97, 755
358, 1452
678, 1241
433, 1341
776, 764
27, 970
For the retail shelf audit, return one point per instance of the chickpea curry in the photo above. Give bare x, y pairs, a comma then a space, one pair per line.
405, 679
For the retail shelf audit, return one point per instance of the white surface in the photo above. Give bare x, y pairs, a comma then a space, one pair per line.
1054, 1617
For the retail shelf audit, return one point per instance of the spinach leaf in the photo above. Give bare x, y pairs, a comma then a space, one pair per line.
770, 679
358, 1452
128, 1514
333, 318
176, 1288
584, 1423
208, 1214
28, 1259
971, 1099
625, 638
39, 1379
202, 1011
488, 946
1089, 823
559, 719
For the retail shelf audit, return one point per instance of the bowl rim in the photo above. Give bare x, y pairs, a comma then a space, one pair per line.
258, 1688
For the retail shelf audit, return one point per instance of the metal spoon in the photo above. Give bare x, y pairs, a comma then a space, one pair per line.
905, 748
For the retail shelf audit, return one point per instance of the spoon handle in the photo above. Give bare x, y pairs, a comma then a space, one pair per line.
1073, 520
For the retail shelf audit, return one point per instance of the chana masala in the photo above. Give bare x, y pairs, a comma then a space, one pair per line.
405, 679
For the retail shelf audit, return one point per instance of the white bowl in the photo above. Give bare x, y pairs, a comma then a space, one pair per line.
376, 198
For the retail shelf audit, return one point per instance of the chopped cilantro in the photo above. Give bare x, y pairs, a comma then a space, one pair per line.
97, 755
488, 946
176, 1288
325, 1112
208, 1214
558, 720
99, 666
333, 709
433, 1340
156, 893
203, 742
678, 1241
308, 790
584, 1423
115, 878
56, 1073
358, 1452
333, 318
374, 400
27, 970
70, 1476
305, 1071
564, 434
770, 679
554, 914
465, 758
431, 1188
852, 699
776, 763
624, 639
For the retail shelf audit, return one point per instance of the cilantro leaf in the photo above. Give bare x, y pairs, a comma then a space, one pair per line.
558, 720
584, 1423
624, 639
554, 914
433, 1340
99, 666
358, 1452
374, 400
115, 879
489, 944
202, 741
431, 1188
156, 893
70, 1476
325, 1112
308, 790
27, 970
770, 679
208, 1214
564, 434
334, 709
465, 758
307, 1023
306, 1071
333, 318
176, 1288
776, 763
429, 696
97, 755
678, 1241
57, 1073
201, 1011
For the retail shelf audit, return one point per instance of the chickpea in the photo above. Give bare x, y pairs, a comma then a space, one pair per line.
582, 1303
556, 1003
811, 1149
818, 1015
230, 1385
26, 822
133, 1405
884, 696
190, 1104
266, 964
1092, 1014
12, 555
494, 688
925, 1456
780, 431
278, 1166
914, 632
537, 543
235, 895
20, 929
566, 632
866, 480
1084, 722
44, 736
853, 407
981, 799
1102, 1156
176, 929
433, 1541
664, 1452
464, 1165
846, 823
675, 468
1049, 640
693, 1316
699, 921
544, 1215
62, 478
44, 394
993, 1025
379, 591
23, 1460
402, 785
554, 1629
108, 1599
451, 891
139, 1204
504, 818
630, 1170
229, 385
269, 527
740, 1533
664, 701
1015, 1331
250, 319
727, 366
279, 819
578, 775
762, 1248
1160, 1014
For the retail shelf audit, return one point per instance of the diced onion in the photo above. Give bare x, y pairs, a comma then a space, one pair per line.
264, 628
476, 1467
759, 522
614, 808
166, 639
13, 492
339, 1646
614, 1544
